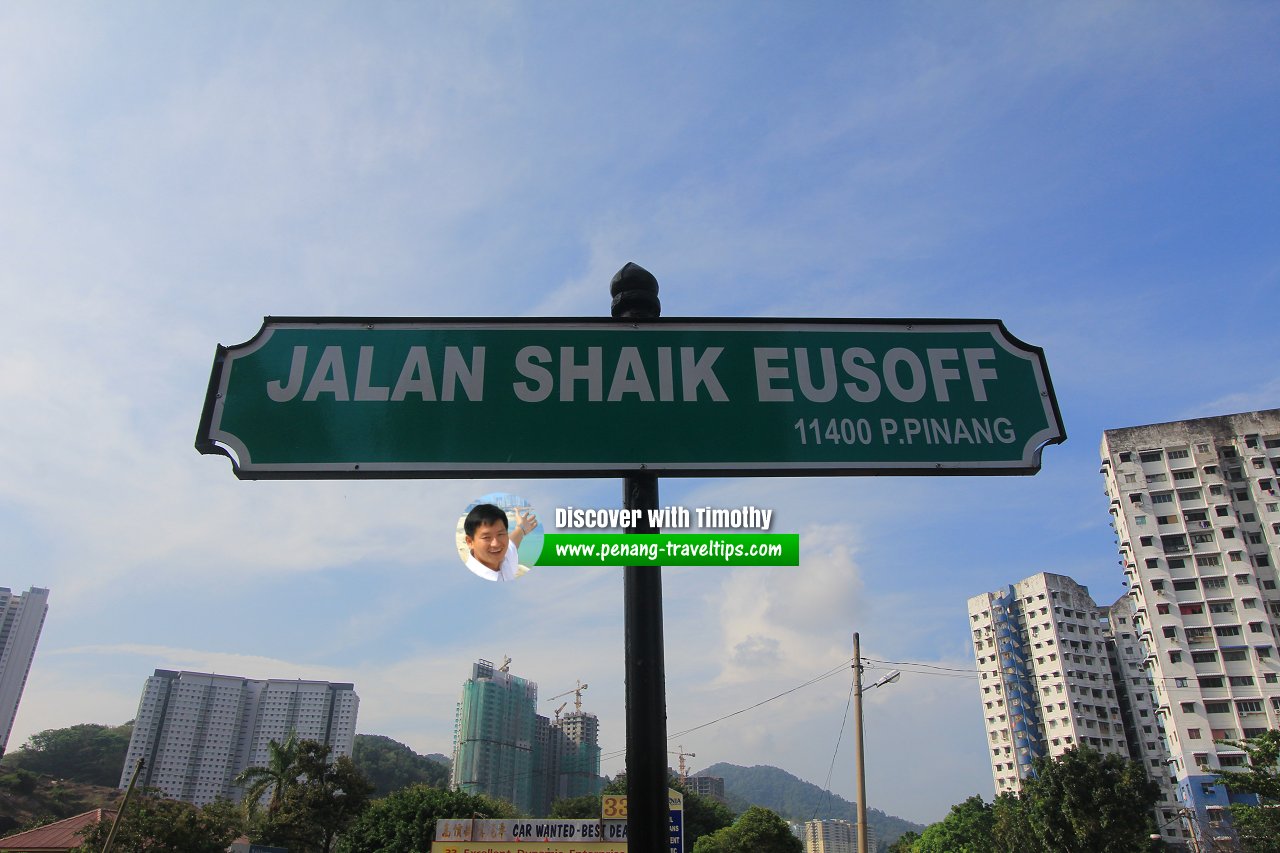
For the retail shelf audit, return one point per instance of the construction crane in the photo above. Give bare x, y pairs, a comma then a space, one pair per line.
577, 696
684, 770
506, 664
558, 710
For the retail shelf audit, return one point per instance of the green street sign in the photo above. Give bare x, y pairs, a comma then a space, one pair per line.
356, 398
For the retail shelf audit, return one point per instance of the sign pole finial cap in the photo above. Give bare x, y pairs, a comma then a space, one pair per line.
635, 294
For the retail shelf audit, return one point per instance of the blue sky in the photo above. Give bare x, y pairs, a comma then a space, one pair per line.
1101, 176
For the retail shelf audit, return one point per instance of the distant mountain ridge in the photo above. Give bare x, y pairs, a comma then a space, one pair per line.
798, 800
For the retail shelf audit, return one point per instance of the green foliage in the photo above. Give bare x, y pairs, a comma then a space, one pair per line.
1087, 802
390, 765
87, 753
19, 780
757, 830
967, 828
326, 798
1079, 802
1012, 825
1258, 826
905, 843
165, 826
405, 821
585, 807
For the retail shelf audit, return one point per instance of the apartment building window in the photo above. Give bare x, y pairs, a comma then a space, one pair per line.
1193, 734
1185, 495
1217, 707
1241, 680
1162, 497
1207, 681
1150, 456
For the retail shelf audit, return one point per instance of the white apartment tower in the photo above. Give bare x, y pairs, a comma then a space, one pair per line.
1041, 648
21, 618
1143, 728
835, 836
196, 731
1197, 519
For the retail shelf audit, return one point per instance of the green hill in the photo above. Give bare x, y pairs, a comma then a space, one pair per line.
390, 765
798, 800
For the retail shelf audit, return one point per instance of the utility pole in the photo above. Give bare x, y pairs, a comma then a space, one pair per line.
857, 720
115, 824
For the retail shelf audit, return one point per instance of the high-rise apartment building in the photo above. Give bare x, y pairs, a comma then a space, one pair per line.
707, 786
1055, 672
21, 618
1143, 729
1196, 511
503, 748
196, 731
835, 836
1044, 673
494, 736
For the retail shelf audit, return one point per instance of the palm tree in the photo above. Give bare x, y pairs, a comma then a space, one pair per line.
281, 772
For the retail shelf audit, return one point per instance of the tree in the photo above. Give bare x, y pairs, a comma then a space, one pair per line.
1258, 826
1012, 831
279, 773
585, 807
967, 828
905, 843
1085, 802
326, 798
757, 830
405, 820
165, 826
88, 753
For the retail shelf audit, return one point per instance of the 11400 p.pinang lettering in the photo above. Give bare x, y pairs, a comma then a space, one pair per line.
573, 374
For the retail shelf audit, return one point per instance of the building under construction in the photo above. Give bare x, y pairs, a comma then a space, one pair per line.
503, 748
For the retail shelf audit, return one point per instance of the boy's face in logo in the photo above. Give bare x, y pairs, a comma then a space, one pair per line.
489, 544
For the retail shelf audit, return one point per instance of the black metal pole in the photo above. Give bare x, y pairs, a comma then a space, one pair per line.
635, 297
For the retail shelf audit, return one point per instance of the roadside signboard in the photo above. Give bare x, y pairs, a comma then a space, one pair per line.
613, 818
347, 398
530, 830
528, 847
